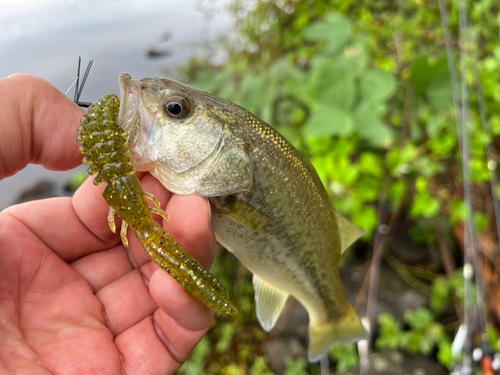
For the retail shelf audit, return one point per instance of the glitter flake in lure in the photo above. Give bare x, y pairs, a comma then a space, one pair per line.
106, 147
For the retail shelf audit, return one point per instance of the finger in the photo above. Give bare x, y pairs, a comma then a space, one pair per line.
143, 352
37, 125
92, 210
126, 302
51, 304
189, 224
58, 225
179, 340
171, 297
102, 268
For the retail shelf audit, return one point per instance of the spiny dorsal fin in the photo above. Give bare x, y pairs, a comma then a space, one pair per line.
349, 232
269, 302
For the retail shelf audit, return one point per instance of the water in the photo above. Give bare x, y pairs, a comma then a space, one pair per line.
45, 38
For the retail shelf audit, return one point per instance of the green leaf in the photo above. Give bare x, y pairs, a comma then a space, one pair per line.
377, 85
371, 129
458, 211
440, 293
418, 319
345, 354
397, 191
438, 124
326, 121
421, 184
391, 334
444, 354
335, 30
371, 163
227, 332
295, 366
333, 83
424, 71
259, 367
482, 221
425, 205
439, 91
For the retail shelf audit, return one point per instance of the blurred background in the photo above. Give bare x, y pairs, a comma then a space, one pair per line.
145, 39
396, 103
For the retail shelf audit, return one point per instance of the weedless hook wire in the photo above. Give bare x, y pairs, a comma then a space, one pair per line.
78, 88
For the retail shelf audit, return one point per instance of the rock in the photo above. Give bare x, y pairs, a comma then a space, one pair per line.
280, 348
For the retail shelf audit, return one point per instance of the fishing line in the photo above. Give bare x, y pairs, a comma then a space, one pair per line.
325, 365
66, 93
464, 37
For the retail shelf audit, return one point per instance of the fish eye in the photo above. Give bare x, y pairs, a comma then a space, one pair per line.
176, 107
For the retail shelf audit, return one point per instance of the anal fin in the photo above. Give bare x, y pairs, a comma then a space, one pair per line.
269, 302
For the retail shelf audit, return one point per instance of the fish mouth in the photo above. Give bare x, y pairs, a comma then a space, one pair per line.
130, 99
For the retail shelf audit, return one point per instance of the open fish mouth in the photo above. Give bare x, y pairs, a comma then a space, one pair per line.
130, 99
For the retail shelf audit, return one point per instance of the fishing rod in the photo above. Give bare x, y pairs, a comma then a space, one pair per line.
474, 314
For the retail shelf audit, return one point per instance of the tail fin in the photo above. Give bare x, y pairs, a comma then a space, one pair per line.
323, 335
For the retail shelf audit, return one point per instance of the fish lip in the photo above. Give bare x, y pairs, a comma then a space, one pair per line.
130, 99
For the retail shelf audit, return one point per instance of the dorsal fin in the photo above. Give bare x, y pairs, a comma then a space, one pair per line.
269, 302
349, 232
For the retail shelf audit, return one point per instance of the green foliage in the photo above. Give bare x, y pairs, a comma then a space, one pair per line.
419, 331
259, 367
424, 334
77, 180
196, 364
362, 88
345, 355
296, 366
447, 292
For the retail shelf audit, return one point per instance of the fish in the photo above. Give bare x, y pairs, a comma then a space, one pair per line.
107, 150
268, 204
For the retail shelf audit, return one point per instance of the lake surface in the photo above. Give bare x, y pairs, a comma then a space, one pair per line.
45, 38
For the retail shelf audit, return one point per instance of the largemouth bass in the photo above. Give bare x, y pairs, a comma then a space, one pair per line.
268, 204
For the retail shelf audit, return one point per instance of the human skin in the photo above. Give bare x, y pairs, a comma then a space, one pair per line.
71, 301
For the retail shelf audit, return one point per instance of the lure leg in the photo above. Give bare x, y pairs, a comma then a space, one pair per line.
111, 219
160, 212
155, 200
123, 233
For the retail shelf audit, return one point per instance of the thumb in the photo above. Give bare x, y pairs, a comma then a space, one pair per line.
37, 125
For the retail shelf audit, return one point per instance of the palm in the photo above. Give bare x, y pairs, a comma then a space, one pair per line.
71, 301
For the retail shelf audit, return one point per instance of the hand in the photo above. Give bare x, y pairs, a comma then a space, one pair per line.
70, 300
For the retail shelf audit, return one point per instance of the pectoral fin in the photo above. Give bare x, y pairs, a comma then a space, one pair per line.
247, 215
269, 302
349, 232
